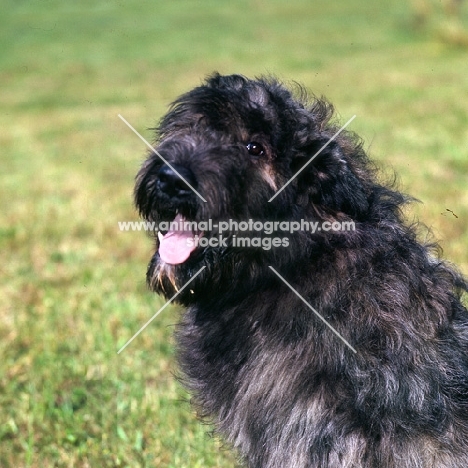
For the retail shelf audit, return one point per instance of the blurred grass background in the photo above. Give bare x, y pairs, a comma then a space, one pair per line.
72, 288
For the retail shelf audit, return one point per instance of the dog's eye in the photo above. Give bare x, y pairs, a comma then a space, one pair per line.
255, 149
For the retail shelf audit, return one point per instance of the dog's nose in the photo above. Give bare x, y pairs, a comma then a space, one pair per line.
172, 184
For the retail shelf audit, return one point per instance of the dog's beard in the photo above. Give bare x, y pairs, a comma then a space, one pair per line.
161, 277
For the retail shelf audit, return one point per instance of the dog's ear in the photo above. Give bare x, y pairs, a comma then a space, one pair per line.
231, 82
333, 174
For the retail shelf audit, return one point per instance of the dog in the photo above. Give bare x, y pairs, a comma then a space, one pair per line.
341, 348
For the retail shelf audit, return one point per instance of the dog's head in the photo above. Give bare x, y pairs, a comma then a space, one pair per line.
224, 150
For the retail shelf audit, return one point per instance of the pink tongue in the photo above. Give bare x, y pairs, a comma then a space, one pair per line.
176, 246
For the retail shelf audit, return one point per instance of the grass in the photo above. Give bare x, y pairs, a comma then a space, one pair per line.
72, 290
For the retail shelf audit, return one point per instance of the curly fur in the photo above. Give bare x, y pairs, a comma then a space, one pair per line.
271, 377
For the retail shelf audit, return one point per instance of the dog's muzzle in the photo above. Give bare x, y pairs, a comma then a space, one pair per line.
176, 245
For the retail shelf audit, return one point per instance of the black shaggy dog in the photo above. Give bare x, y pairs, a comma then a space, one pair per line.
275, 380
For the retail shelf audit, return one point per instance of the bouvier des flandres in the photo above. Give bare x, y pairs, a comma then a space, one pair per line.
305, 345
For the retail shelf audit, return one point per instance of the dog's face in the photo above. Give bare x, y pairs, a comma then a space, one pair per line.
230, 146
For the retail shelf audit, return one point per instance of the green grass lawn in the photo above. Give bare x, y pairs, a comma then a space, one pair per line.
72, 287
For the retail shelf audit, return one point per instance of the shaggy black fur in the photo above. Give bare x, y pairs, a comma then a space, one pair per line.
273, 379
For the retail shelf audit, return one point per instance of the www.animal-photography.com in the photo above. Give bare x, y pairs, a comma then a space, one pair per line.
234, 234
